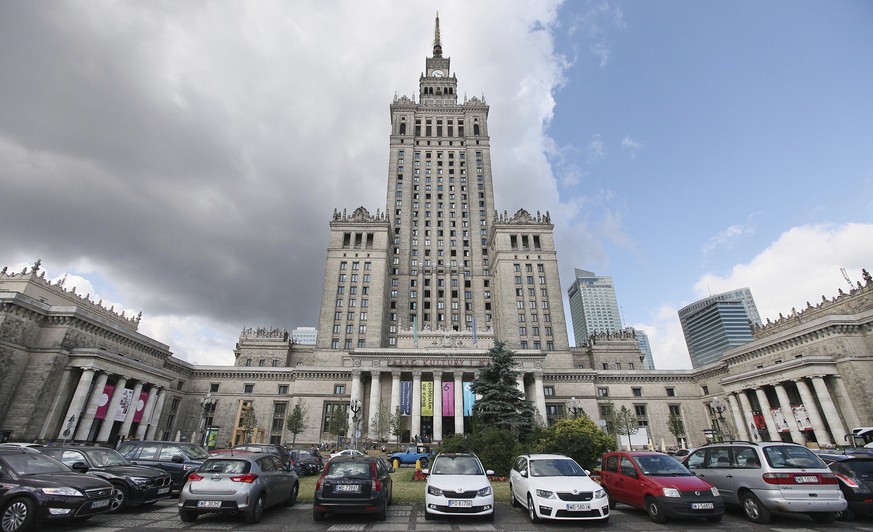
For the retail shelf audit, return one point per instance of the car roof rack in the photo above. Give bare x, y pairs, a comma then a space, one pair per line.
732, 441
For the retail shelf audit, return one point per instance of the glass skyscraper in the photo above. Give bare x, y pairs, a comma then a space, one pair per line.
717, 323
593, 305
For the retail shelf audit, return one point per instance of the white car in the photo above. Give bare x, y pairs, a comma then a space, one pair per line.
554, 486
457, 484
347, 452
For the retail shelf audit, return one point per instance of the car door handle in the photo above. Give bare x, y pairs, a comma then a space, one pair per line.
729, 476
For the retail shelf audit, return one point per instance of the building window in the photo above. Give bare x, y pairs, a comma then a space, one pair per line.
705, 390
339, 389
248, 388
213, 387
603, 392
548, 391
638, 392
283, 389
671, 392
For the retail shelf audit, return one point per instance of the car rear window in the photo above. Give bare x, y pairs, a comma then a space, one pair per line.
862, 468
792, 457
347, 470
224, 465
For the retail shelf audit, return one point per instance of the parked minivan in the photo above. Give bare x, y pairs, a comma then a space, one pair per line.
659, 484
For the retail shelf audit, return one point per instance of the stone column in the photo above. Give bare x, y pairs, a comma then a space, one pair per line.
739, 421
437, 405
844, 401
415, 426
355, 392
147, 413
768, 415
519, 383
109, 421
818, 427
78, 402
55, 411
90, 410
459, 403
156, 414
540, 395
747, 409
373, 410
838, 430
785, 407
395, 391
131, 411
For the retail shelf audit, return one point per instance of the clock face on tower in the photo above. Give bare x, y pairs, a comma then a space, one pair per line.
437, 73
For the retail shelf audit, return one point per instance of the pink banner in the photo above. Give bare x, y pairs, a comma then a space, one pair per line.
449, 398
140, 406
103, 404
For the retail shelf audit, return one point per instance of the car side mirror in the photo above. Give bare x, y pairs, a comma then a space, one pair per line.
490, 472
177, 458
392, 470
587, 472
79, 467
424, 471
523, 473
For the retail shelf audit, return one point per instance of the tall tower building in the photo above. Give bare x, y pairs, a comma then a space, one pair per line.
593, 305
717, 323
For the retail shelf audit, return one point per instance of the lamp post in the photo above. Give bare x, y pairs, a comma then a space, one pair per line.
719, 406
355, 408
574, 407
207, 404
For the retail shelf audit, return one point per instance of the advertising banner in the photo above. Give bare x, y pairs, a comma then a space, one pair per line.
469, 398
140, 406
405, 398
449, 398
802, 417
760, 420
427, 398
779, 420
124, 405
103, 404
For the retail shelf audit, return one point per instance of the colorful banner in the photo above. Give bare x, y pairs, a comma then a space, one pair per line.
760, 420
779, 420
427, 398
140, 406
103, 404
405, 398
449, 398
469, 398
124, 405
802, 417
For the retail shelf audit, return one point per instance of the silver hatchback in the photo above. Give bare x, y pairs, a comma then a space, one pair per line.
239, 483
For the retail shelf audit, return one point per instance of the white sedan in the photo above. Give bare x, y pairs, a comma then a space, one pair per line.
457, 484
347, 452
554, 486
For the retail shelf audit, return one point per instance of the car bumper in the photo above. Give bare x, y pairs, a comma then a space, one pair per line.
444, 506
360, 506
861, 507
60, 508
149, 494
565, 510
680, 507
212, 503
774, 501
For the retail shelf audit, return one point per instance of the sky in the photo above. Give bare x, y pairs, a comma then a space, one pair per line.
184, 159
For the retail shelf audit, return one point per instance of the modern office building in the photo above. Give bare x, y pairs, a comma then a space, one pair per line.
304, 335
718, 323
645, 347
593, 305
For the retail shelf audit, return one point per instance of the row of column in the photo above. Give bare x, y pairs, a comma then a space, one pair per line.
415, 425
828, 417
86, 401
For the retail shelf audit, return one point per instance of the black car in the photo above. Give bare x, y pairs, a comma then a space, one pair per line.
37, 489
353, 484
134, 484
176, 458
855, 473
276, 450
307, 462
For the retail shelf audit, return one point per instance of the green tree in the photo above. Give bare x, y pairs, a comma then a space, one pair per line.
339, 421
297, 420
676, 427
249, 422
625, 423
397, 425
502, 405
579, 438
380, 421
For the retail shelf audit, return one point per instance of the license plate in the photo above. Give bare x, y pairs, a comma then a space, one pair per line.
347, 487
100, 504
702, 506
806, 479
578, 507
209, 504
161, 491
460, 504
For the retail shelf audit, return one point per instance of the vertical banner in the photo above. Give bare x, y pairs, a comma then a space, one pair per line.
427, 398
140, 406
449, 398
802, 417
760, 420
124, 405
405, 398
469, 398
103, 404
779, 420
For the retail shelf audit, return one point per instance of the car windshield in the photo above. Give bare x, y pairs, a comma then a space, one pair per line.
792, 457
107, 458
555, 467
661, 466
347, 470
225, 465
305, 454
33, 464
194, 452
456, 465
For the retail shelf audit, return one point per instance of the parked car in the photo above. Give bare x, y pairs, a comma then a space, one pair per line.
134, 485
347, 452
307, 462
855, 474
176, 458
353, 484
554, 486
659, 484
457, 484
412, 454
284, 454
245, 483
765, 477
36, 489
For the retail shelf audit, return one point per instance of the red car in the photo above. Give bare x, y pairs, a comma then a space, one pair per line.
659, 484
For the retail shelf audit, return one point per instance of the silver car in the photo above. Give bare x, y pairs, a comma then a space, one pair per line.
240, 483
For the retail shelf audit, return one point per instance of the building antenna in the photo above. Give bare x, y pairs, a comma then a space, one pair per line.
846, 277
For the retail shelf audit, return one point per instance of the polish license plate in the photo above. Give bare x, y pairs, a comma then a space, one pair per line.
100, 504
209, 504
460, 504
578, 507
347, 487
161, 491
812, 479
702, 506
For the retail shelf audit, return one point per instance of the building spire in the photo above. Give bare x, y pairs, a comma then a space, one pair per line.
437, 47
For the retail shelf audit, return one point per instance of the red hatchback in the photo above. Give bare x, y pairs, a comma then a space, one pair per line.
659, 484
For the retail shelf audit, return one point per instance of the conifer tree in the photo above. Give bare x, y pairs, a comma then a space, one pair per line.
502, 405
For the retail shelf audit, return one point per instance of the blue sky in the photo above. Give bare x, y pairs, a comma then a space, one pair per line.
184, 159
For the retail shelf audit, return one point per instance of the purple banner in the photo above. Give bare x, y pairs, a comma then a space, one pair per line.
449, 398
406, 398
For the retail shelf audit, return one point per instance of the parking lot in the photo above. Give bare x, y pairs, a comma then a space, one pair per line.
164, 516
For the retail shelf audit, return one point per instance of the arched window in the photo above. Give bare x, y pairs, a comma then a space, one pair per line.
476, 130
275, 363
248, 362
403, 128
262, 363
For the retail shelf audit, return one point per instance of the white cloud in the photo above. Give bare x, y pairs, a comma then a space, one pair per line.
726, 238
632, 145
601, 52
596, 148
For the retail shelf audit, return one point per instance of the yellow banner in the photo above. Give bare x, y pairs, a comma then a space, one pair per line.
427, 398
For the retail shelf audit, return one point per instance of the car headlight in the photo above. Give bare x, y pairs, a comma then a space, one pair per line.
599, 494
69, 492
715, 491
484, 491
671, 492
433, 490
139, 481
545, 494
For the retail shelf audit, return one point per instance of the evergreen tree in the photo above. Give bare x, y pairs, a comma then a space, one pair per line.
502, 405
297, 420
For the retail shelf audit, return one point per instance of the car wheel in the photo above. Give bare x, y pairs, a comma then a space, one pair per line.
846, 515
423, 462
19, 514
490, 517
654, 511
532, 510
292, 498
823, 517
714, 518
119, 498
187, 516
391, 494
382, 513
428, 516
512, 498
754, 510
257, 511
612, 501
317, 515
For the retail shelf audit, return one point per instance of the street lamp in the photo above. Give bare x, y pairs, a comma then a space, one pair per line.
719, 406
575, 407
207, 404
355, 408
